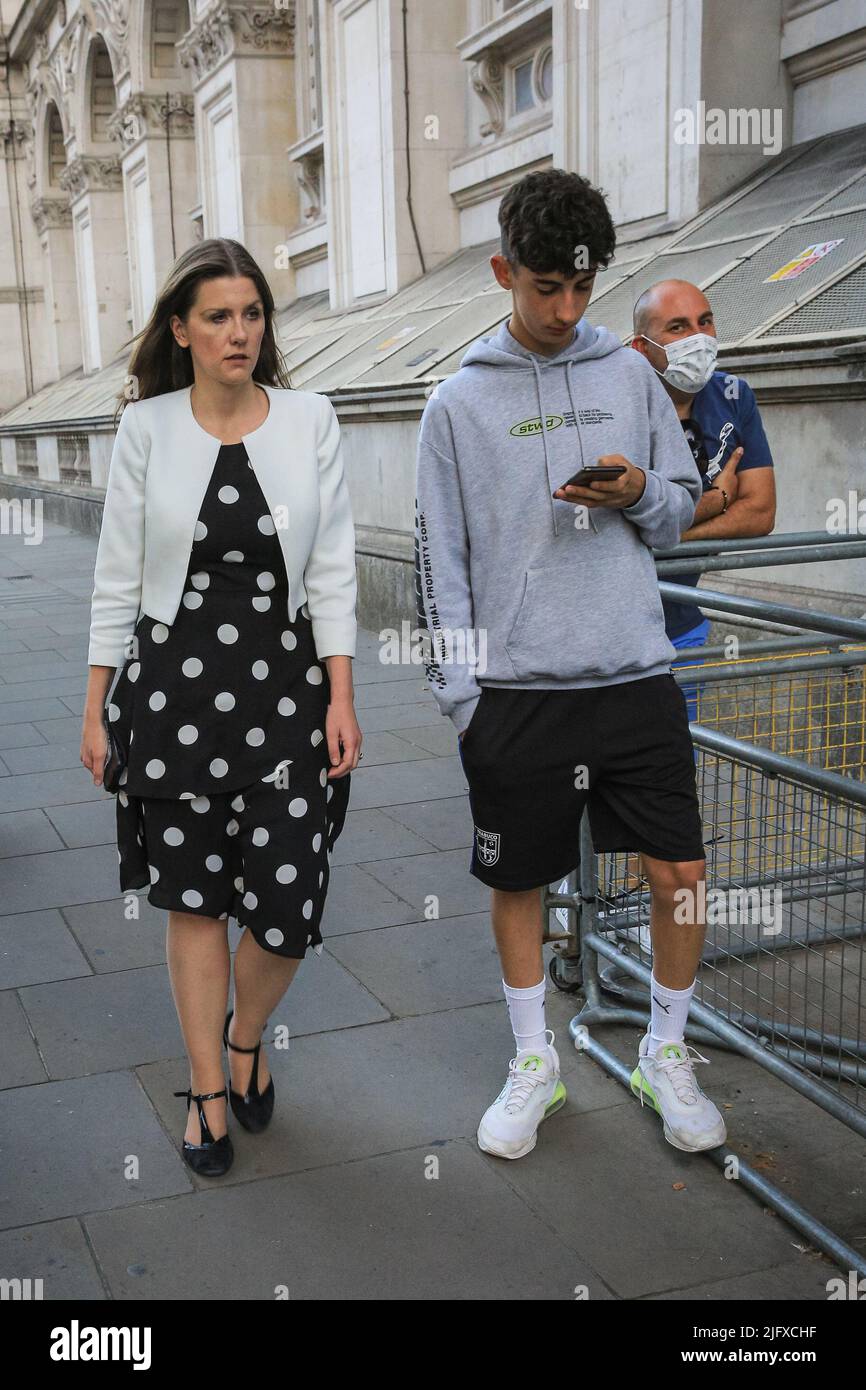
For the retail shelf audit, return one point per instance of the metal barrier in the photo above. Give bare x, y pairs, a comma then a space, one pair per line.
781, 745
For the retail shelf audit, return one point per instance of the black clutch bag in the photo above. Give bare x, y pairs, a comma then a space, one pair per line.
115, 760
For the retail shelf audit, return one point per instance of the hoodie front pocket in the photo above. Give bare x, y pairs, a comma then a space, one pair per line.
566, 631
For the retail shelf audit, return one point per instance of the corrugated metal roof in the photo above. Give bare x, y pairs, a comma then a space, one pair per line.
810, 194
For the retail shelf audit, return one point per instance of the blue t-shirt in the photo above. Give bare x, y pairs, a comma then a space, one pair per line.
724, 415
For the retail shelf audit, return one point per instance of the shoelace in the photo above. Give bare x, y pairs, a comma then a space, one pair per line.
521, 1085
681, 1075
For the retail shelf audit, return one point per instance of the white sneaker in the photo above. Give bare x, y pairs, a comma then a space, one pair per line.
533, 1090
667, 1080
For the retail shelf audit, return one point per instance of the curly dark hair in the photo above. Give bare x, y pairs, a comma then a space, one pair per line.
547, 215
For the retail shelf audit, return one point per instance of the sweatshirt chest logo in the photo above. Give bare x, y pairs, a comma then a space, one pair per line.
534, 426
590, 416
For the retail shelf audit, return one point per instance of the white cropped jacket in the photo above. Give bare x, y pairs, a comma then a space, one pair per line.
160, 467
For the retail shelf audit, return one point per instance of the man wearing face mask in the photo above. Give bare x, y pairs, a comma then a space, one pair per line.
674, 330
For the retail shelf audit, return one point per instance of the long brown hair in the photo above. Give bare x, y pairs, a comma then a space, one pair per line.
158, 363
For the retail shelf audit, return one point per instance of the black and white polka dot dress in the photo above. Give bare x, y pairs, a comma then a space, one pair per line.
225, 807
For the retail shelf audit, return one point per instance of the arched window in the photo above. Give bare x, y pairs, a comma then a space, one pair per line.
102, 95
56, 148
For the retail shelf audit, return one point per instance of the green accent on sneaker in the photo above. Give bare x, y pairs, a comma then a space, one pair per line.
559, 1098
674, 1050
638, 1083
530, 1064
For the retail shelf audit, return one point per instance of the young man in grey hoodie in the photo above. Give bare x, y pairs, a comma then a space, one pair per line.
547, 637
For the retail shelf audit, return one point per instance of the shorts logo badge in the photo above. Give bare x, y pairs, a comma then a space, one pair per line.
487, 842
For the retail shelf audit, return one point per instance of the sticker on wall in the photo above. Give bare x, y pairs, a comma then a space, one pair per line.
396, 338
801, 262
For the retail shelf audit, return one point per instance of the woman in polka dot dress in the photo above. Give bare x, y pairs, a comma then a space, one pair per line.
239, 738
231, 697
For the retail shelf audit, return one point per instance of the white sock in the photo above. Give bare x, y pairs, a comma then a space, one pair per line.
668, 1012
526, 1011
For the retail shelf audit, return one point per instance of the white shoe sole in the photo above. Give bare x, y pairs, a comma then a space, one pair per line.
488, 1145
692, 1148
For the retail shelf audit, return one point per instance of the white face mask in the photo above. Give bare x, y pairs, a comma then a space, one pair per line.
691, 361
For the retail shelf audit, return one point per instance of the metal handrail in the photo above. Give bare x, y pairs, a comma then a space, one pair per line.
760, 608
756, 559
710, 545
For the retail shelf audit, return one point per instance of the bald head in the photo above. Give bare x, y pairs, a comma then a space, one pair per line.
669, 306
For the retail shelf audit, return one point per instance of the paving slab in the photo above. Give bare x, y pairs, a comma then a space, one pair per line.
22, 1065
439, 881
122, 933
372, 835
801, 1279
101, 1022
83, 1144
375, 1229
85, 823
36, 947
445, 822
56, 1257
357, 901
37, 755
421, 967
27, 832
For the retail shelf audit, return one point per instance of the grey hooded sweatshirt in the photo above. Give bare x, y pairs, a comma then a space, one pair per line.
516, 588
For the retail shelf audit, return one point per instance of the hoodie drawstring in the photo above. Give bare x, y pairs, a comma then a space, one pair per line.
543, 415
568, 364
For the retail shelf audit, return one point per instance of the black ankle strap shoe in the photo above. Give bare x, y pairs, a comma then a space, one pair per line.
212, 1157
253, 1110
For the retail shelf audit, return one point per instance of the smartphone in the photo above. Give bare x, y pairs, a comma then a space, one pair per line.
585, 476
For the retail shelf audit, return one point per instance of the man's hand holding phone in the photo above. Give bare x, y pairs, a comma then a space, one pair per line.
605, 489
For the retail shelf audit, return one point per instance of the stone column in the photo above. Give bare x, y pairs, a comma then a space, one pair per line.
93, 184
241, 58
52, 218
156, 132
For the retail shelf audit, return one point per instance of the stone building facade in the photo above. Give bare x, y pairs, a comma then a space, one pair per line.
355, 147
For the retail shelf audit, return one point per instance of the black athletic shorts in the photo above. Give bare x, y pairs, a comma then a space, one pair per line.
535, 758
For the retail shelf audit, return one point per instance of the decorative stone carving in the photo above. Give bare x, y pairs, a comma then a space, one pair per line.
240, 29
91, 174
50, 213
64, 60
17, 138
309, 175
52, 78
146, 114
40, 48
19, 132
28, 144
113, 24
487, 81
41, 91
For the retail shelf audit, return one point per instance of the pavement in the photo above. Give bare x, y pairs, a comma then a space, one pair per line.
368, 1184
